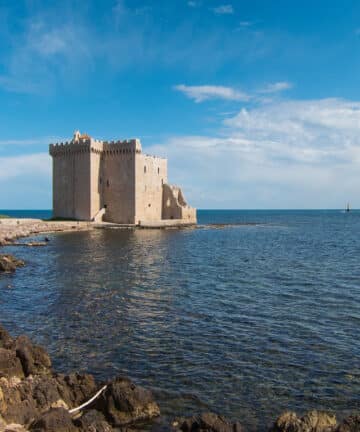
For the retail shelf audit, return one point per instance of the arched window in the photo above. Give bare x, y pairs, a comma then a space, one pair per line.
145, 169
158, 170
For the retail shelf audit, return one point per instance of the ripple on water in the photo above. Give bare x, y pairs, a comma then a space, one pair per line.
249, 320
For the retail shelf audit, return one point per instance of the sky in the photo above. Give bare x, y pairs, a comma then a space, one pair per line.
256, 104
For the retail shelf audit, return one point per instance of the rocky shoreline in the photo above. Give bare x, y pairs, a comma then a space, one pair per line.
34, 398
12, 229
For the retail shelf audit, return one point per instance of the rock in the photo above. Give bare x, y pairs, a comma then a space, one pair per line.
313, 421
24, 400
54, 420
8, 263
319, 421
46, 393
207, 422
76, 388
350, 424
6, 341
16, 402
123, 402
14, 427
2, 424
286, 422
93, 421
34, 359
10, 365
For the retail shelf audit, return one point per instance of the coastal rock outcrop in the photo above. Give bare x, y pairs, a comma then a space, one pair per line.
8, 263
34, 359
33, 397
206, 422
349, 424
93, 421
10, 365
123, 403
312, 421
54, 420
6, 340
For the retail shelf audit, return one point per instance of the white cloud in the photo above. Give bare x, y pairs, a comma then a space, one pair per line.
30, 165
308, 116
205, 92
43, 52
289, 154
276, 87
193, 4
224, 9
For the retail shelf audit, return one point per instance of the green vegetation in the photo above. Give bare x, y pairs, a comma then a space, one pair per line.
4, 216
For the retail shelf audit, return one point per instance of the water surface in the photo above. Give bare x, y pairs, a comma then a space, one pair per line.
248, 320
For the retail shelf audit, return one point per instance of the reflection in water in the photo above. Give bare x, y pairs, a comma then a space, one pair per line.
249, 320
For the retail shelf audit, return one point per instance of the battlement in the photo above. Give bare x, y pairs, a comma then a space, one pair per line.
86, 144
122, 147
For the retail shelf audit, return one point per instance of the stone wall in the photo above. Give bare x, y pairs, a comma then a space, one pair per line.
151, 174
175, 206
95, 171
71, 186
118, 187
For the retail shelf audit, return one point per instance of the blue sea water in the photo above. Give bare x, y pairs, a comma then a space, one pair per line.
32, 214
247, 319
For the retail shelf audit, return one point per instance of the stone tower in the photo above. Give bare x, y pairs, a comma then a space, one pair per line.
116, 181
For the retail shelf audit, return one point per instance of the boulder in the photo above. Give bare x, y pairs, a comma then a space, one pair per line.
93, 421
207, 422
24, 400
9, 263
313, 421
123, 403
318, 421
76, 388
34, 359
54, 420
10, 365
350, 424
16, 402
47, 394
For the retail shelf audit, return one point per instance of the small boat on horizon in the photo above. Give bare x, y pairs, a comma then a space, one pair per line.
348, 207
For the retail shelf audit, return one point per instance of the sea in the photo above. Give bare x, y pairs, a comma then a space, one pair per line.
250, 314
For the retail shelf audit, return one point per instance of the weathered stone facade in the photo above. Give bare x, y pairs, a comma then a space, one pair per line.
114, 182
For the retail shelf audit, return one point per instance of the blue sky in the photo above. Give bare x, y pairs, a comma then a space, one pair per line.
256, 104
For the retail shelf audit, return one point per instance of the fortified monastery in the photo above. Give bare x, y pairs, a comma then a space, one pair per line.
115, 182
